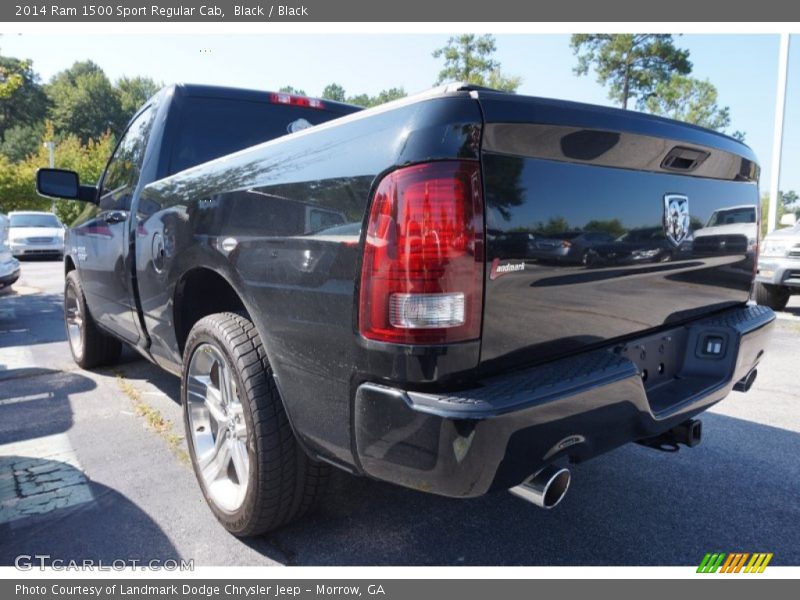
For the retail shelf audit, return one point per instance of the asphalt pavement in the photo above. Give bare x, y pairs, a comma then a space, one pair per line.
93, 465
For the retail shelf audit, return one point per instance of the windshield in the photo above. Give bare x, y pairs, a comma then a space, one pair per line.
732, 216
34, 221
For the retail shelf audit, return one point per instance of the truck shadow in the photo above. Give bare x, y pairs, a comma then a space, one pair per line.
34, 402
31, 525
47, 505
30, 319
634, 506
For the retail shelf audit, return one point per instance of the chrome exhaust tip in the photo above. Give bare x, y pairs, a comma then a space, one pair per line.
546, 488
744, 384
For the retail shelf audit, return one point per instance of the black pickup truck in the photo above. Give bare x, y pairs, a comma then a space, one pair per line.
333, 287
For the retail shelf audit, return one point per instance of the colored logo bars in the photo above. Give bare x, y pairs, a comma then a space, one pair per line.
735, 562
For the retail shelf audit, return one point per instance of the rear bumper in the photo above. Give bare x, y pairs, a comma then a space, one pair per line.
494, 436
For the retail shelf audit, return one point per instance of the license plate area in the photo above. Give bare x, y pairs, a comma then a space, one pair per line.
659, 357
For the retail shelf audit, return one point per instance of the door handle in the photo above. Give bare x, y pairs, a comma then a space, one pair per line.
116, 216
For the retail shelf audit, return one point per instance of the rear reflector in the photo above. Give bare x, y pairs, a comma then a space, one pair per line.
291, 99
422, 274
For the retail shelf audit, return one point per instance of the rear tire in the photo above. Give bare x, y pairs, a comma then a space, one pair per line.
90, 346
773, 296
251, 469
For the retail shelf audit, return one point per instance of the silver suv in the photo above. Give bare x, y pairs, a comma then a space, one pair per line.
778, 275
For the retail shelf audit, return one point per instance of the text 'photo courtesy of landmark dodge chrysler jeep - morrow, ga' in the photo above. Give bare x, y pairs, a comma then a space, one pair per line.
365, 289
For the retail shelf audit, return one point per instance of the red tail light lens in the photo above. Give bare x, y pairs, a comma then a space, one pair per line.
422, 275
291, 99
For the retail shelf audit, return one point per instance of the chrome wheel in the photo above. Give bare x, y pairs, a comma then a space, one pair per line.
74, 318
218, 428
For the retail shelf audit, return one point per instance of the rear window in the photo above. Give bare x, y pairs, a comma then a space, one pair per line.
213, 127
34, 221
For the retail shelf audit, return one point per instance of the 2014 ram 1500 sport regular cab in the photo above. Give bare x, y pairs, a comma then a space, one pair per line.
343, 294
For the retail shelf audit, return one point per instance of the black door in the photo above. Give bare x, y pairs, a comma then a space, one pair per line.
105, 266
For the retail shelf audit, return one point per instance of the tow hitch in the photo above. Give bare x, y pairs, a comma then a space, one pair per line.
687, 433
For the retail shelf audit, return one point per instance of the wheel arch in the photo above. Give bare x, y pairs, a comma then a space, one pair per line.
199, 292
69, 264
192, 302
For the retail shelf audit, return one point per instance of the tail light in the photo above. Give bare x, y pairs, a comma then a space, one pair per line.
422, 274
292, 100
566, 244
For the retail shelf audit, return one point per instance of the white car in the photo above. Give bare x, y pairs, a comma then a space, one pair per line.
778, 275
9, 266
35, 233
729, 230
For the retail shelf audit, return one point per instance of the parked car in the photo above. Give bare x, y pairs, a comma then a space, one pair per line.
639, 246
34, 233
380, 344
9, 266
517, 244
730, 230
778, 275
569, 246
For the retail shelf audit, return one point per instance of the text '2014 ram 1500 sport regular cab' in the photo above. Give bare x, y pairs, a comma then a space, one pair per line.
341, 293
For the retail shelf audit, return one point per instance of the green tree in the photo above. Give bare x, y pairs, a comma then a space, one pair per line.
359, 100
612, 227
334, 91
22, 99
789, 198
22, 140
17, 188
10, 82
288, 89
84, 102
470, 58
631, 65
553, 226
690, 100
133, 92
385, 96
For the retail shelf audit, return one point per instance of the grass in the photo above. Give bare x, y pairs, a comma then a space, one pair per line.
155, 421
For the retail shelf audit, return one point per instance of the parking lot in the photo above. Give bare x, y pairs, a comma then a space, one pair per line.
93, 465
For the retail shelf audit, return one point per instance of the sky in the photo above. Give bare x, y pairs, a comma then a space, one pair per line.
742, 67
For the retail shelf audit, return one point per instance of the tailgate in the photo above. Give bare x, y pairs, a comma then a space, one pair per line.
612, 202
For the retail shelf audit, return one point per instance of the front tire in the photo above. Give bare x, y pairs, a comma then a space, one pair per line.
251, 469
773, 296
90, 346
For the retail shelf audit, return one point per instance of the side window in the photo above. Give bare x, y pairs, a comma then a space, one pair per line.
126, 163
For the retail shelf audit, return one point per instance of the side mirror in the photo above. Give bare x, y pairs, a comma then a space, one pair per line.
788, 220
60, 183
